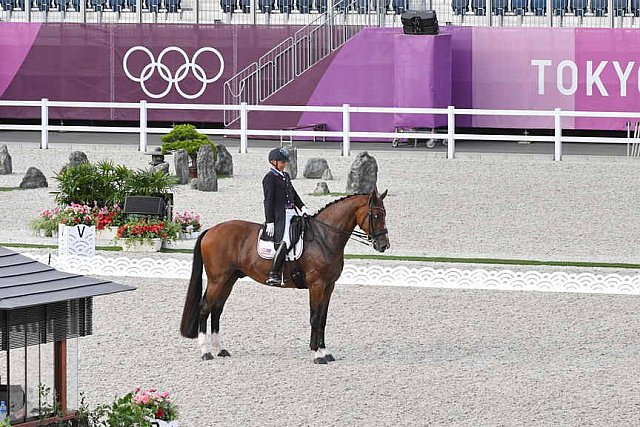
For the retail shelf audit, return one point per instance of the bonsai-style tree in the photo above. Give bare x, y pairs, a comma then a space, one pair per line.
186, 137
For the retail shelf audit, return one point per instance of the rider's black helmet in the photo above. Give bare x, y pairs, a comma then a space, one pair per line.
279, 154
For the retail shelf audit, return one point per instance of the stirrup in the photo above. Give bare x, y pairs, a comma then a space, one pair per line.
274, 281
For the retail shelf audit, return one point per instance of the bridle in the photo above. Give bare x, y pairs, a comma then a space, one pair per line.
360, 236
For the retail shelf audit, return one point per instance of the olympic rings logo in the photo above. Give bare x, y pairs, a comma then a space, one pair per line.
190, 65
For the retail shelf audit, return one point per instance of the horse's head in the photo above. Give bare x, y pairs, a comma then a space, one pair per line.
372, 220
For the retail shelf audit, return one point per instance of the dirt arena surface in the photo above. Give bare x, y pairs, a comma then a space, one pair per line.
405, 356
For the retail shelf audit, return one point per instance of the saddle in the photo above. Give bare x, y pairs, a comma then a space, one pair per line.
297, 227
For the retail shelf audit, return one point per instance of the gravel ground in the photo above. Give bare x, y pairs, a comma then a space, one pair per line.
404, 357
509, 207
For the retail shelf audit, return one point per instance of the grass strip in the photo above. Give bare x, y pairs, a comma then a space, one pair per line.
527, 262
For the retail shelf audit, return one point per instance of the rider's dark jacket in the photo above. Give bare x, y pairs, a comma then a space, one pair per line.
279, 195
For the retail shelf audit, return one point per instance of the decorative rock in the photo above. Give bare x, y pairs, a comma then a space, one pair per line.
164, 167
315, 167
363, 175
207, 178
321, 188
181, 163
34, 178
292, 166
224, 161
194, 183
327, 175
6, 167
76, 158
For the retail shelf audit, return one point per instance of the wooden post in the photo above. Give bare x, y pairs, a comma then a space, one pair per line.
60, 373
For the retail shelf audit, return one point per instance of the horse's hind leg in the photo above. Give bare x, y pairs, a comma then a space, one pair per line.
213, 303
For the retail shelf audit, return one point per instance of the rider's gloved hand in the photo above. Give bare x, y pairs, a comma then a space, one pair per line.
305, 211
270, 228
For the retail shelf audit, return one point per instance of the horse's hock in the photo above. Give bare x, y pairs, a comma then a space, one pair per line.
363, 174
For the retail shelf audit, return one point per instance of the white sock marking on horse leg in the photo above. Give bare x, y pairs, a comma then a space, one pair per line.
204, 341
216, 342
319, 354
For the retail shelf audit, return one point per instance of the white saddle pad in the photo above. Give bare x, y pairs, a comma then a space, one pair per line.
266, 249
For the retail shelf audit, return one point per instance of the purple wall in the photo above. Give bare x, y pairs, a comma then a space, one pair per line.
496, 68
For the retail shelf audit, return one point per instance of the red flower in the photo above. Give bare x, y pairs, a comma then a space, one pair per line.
159, 414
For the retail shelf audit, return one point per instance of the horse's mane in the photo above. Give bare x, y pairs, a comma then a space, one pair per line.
333, 202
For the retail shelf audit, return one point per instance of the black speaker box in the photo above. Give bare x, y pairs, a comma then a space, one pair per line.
142, 205
419, 23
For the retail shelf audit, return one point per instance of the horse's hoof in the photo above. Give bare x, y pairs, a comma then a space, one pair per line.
224, 353
207, 356
320, 361
329, 358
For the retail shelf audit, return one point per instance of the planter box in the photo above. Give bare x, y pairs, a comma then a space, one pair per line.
78, 240
153, 245
161, 423
189, 235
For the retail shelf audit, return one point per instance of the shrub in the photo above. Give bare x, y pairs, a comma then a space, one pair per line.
186, 137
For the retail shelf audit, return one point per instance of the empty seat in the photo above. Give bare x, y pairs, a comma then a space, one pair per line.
7, 5
131, 4
539, 7
400, 6
579, 7
620, 7
635, 7
228, 6
173, 6
560, 7
500, 7
116, 5
245, 5
285, 6
266, 6
321, 6
304, 6
43, 5
153, 5
519, 7
599, 7
384, 4
479, 7
341, 5
460, 7
362, 6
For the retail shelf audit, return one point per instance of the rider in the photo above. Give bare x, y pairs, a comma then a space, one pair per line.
280, 203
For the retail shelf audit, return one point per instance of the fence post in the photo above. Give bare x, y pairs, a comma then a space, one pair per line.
243, 127
557, 134
451, 131
346, 128
44, 122
143, 126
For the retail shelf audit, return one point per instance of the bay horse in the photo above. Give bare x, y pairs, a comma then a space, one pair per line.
228, 252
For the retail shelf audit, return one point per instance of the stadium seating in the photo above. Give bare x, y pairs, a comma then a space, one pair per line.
519, 7
500, 7
285, 6
400, 6
619, 7
599, 7
479, 7
304, 6
560, 7
635, 7
460, 7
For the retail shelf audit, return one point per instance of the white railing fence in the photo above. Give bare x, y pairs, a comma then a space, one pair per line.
343, 136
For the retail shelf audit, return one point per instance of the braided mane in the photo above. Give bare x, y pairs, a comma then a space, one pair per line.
339, 200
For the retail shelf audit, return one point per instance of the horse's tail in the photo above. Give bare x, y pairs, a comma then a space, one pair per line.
191, 311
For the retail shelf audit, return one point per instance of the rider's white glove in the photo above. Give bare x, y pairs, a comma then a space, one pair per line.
305, 211
270, 228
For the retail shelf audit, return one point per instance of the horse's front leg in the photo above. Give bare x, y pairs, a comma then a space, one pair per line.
319, 298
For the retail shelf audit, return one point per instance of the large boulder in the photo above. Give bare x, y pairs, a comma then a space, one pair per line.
181, 163
6, 168
363, 175
327, 175
315, 167
34, 178
164, 167
224, 161
292, 165
321, 188
207, 178
76, 158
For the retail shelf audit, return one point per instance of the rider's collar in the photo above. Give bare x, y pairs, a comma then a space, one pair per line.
274, 170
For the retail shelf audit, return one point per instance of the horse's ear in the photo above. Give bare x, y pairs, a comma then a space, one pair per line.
384, 194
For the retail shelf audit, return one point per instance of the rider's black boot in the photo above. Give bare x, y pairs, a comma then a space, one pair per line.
275, 276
